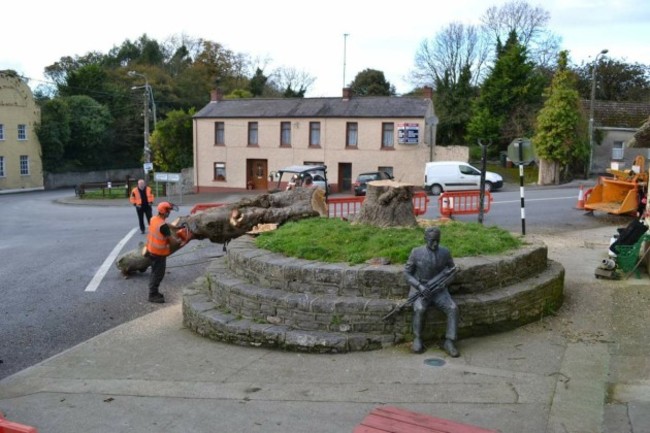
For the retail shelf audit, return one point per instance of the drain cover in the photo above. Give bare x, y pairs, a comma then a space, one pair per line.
434, 362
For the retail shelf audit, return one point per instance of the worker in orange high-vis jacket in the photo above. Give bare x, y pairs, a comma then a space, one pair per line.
161, 234
142, 198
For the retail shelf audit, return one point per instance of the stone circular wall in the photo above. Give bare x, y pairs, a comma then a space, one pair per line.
255, 297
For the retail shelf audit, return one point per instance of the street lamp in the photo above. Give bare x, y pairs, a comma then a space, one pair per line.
148, 97
591, 109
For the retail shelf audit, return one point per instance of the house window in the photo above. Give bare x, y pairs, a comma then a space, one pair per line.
617, 150
22, 132
220, 171
387, 135
351, 134
2, 132
2, 166
252, 134
24, 165
219, 134
314, 134
285, 134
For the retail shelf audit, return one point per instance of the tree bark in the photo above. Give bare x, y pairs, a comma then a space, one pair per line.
548, 172
388, 203
221, 224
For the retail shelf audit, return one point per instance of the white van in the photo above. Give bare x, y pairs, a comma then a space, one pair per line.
440, 176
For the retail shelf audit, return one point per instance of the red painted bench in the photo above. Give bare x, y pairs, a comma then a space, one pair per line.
14, 427
392, 419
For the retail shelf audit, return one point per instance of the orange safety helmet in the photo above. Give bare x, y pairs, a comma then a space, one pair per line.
165, 207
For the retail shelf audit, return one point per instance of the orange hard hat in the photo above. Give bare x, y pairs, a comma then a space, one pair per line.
164, 207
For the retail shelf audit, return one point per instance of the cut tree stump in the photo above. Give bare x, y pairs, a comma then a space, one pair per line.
221, 224
388, 203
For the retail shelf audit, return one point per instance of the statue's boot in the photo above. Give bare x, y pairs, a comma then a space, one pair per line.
417, 346
449, 347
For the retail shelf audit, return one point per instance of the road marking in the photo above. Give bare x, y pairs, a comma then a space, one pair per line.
531, 199
101, 273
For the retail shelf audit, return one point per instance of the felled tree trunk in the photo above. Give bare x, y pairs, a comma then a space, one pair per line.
388, 204
221, 224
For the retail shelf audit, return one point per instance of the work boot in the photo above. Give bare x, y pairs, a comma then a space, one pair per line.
418, 346
157, 298
449, 347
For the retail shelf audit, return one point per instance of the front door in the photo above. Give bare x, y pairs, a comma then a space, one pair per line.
345, 177
257, 174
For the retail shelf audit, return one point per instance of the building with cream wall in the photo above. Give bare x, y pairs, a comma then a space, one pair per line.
239, 142
20, 151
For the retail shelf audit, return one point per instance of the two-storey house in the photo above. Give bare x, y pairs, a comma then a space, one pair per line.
239, 142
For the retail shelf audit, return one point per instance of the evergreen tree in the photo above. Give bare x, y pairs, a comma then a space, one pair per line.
453, 107
509, 97
171, 142
561, 128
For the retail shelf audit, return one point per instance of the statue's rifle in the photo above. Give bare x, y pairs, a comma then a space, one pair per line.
430, 287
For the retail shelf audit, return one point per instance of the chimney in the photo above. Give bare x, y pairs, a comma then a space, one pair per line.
427, 92
347, 93
216, 95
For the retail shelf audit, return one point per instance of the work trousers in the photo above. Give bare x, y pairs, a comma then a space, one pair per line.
142, 212
158, 267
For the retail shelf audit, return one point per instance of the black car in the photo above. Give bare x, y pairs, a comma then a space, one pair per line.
363, 179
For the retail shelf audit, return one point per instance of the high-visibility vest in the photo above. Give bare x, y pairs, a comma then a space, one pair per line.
136, 198
157, 243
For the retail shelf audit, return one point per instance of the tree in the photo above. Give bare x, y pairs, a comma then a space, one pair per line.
371, 82
454, 51
258, 82
171, 142
453, 107
561, 127
615, 80
509, 97
73, 134
529, 24
291, 82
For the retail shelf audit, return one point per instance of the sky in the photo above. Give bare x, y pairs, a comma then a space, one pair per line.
306, 36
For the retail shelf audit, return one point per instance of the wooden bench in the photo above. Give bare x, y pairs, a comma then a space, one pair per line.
392, 419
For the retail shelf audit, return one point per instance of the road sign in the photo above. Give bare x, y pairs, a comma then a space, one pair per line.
521, 151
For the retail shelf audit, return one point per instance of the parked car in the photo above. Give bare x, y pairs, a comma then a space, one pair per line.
295, 175
361, 184
440, 176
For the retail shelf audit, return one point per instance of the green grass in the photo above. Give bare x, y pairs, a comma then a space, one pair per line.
336, 241
106, 194
511, 175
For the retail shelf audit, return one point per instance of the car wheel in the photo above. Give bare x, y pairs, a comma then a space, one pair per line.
488, 186
436, 189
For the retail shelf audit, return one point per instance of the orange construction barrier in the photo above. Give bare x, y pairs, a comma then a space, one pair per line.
14, 427
462, 203
581, 199
342, 207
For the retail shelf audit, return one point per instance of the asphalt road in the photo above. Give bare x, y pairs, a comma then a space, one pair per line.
58, 281
59, 285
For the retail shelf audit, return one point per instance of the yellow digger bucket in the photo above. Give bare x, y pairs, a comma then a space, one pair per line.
614, 196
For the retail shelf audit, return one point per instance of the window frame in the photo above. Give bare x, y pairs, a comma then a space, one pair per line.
2, 132
219, 133
285, 134
2, 166
386, 128
215, 175
22, 132
352, 135
618, 150
253, 134
314, 134
24, 165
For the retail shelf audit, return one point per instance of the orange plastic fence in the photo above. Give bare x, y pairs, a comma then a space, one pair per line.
341, 207
463, 203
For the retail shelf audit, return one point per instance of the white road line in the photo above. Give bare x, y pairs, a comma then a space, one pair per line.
101, 273
532, 199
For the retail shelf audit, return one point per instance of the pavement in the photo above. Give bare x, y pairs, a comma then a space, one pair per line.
584, 369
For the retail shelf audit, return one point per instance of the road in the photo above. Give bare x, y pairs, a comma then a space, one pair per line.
59, 284
58, 281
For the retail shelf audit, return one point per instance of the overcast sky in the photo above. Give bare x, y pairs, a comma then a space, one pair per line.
307, 36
